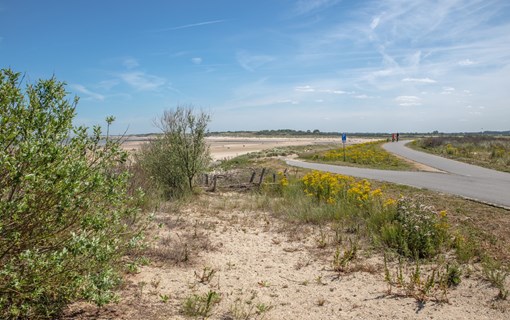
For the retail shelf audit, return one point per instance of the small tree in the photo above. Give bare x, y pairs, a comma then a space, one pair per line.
181, 153
65, 217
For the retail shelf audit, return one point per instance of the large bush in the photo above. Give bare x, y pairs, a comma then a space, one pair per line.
65, 216
177, 156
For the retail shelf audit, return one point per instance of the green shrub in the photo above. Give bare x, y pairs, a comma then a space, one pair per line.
174, 159
200, 305
65, 216
416, 231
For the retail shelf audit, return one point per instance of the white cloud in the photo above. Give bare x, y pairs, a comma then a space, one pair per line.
196, 60
375, 22
407, 101
466, 62
82, 89
250, 62
319, 100
304, 89
448, 90
335, 91
288, 101
362, 96
142, 81
419, 80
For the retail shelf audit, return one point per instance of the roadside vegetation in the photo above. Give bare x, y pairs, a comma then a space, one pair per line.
492, 152
366, 155
429, 241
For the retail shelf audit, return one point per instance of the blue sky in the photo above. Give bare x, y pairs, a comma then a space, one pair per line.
332, 65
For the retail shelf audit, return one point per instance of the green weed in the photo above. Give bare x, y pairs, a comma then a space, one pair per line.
200, 305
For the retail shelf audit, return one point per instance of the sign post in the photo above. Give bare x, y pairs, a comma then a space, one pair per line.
344, 139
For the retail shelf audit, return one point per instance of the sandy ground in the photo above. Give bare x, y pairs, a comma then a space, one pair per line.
264, 268
228, 147
225, 148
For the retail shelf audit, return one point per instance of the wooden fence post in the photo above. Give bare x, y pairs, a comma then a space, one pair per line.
262, 176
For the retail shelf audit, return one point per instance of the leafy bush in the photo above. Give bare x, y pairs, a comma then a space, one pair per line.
174, 159
65, 217
416, 230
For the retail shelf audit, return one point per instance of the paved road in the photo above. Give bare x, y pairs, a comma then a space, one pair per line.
461, 179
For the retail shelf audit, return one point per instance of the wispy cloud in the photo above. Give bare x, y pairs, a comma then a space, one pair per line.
419, 80
375, 22
308, 88
130, 63
304, 89
362, 96
191, 25
90, 94
407, 101
307, 6
251, 62
448, 90
466, 62
142, 81
288, 101
108, 84
196, 60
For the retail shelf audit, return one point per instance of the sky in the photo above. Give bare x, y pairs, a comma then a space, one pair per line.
331, 65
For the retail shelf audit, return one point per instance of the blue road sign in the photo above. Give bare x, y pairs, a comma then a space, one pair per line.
344, 137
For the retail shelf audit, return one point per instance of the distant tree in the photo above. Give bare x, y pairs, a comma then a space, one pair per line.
316, 131
66, 220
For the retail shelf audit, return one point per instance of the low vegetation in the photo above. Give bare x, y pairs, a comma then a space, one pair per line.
487, 151
369, 155
423, 240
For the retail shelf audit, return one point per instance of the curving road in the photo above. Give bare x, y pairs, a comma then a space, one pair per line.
472, 182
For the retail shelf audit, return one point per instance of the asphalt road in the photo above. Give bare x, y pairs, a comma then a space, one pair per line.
472, 182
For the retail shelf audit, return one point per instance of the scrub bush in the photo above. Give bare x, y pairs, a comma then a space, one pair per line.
175, 158
66, 219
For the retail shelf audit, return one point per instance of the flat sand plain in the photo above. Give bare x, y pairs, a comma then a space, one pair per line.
229, 147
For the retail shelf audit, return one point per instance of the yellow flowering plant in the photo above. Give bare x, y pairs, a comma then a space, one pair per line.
325, 186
